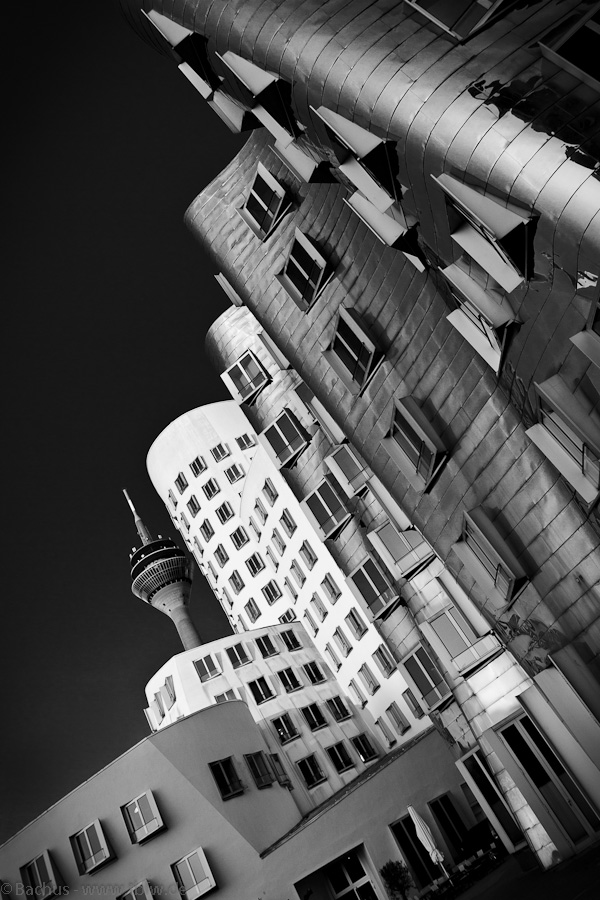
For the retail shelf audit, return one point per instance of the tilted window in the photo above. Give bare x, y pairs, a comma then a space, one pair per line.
397, 718
386, 732
487, 556
260, 511
285, 438
306, 272
368, 679
140, 891
270, 491
245, 442
206, 668
278, 542
288, 616
252, 610
308, 555
331, 589
261, 690
289, 680
314, 672
221, 555
318, 607
234, 473
192, 872
384, 661
236, 582
290, 589
287, 523
459, 19
285, 728
193, 506
340, 757
459, 640
198, 466
272, 592
326, 509
412, 703
314, 717
574, 45
90, 848
206, 530
364, 748
239, 537
333, 657
211, 488
290, 639
238, 655
348, 468
369, 583
427, 678
296, 570
342, 641
414, 445
338, 709
353, 353
266, 203
266, 646
404, 552
260, 769
311, 771
142, 818
255, 564
228, 782
356, 624
224, 512
246, 377
181, 482
40, 877
220, 452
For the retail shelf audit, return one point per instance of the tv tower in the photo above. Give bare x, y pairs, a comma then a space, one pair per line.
161, 575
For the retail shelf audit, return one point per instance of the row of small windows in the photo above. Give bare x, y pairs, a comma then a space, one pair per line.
238, 653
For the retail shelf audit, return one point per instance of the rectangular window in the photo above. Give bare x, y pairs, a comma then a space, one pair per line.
338, 709
252, 610
260, 511
414, 445
211, 573
266, 646
224, 512
224, 773
305, 273
141, 891
318, 607
272, 592
239, 538
427, 677
206, 530
234, 473
331, 589
311, 771
197, 466
386, 732
261, 690
359, 696
333, 657
142, 818
279, 771
206, 668
90, 848
289, 680
310, 623
285, 728
290, 639
172, 499
199, 549
353, 353
286, 438
40, 877
278, 542
314, 717
487, 556
260, 769
220, 452
246, 377
265, 204
364, 748
326, 509
384, 661
235, 580
287, 523
255, 564
192, 872
181, 482
269, 491
397, 718
211, 488
466, 649
226, 597
308, 555
221, 555
223, 698
314, 673
245, 442
356, 624
185, 521
238, 655
288, 616
342, 641
340, 757
193, 506
274, 562
290, 589
368, 679
370, 584
404, 552
296, 570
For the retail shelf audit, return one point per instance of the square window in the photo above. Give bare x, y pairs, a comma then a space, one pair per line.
224, 512
290, 639
228, 782
181, 483
245, 442
340, 757
142, 818
211, 488
234, 473
272, 592
305, 273
252, 610
261, 690
289, 680
238, 655
353, 353
287, 523
285, 438
90, 848
364, 748
246, 377
285, 728
338, 709
326, 509
266, 646
220, 452
311, 771
260, 769
193, 506
141, 891
255, 564
206, 668
308, 555
236, 582
314, 717
266, 203
288, 616
270, 492
314, 673
197, 466
239, 538
40, 877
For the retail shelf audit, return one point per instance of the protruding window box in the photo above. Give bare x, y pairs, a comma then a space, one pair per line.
142, 818
237, 118
91, 848
348, 468
245, 378
371, 587
388, 230
266, 204
353, 353
414, 445
193, 875
325, 508
482, 321
306, 272
404, 552
285, 439
489, 559
301, 165
425, 675
41, 878
467, 650
569, 436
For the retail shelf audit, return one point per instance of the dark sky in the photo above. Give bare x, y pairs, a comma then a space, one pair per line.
107, 303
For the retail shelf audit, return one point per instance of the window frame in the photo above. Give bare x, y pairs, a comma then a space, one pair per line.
211, 488
356, 624
255, 564
380, 602
313, 716
253, 610
308, 555
481, 540
211, 670
220, 452
439, 693
241, 537
485, 15
272, 217
344, 645
232, 785
348, 320
338, 708
314, 672
264, 639
286, 733
236, 582
312, 289
193, 506
38, 886
335, 518
551, 50
272, 595
364, 747
221, 555
234, 473
421, 453
236, 656
274, 434
334, 750
206, 530
399, 721
198, 888
198, 466
250, 384
87, 865
181, 483
224, 512
289, 680
144, 832
368, 679
384, 661
312, 767
261, 771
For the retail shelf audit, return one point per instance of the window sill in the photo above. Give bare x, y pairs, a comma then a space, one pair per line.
563, 462
483, 577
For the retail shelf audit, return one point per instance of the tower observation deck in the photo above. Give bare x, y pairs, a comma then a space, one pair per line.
161, 575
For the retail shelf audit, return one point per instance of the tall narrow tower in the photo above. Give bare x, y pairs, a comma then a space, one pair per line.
161, 575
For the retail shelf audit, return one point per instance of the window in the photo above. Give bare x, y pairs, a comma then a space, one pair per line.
305, 273
211, 573
173, 499
142, 817
211, 488
90, 848
226, 598
261, 690
254, 528
280, 773
314, 717
266, 646
235, 580
181, 482
274, 562
234, 473
238, 656
333, 657
568, 434
290, 640
260, 511
252, 610
185, 522
289, 680
466, 649
348, 469
40, 877
364, 748
285, 438
318, 607
245, 442
308, 555
246, 377
488, 557
206, 530
384, 661
331, 589
224, 773
338, 709
285, 728
266, 203
269, 491
197, 466
340, 757
311, 771
310, 622
404, 552
386, 732
354, 355
288, 616
272, 592
255, 564
314, 673
427, 677
412, 703
287, 523
221, 555
223, 698
260, 769
342, 641
199, 547
413, 444
224, 512
192, 873
325, 508
572, 46
290, 589
278, 542
368, 679
206, 668
356, 624
193, 506
239, 538
397, 718
141, 891
220, 452
359, 697
297, 572
459, 19
370, 584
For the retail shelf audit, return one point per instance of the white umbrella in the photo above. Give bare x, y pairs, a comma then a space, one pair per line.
427, 839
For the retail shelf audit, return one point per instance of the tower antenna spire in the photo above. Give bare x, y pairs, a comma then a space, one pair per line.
143, 532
